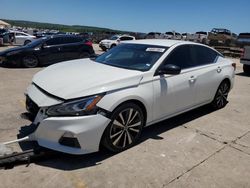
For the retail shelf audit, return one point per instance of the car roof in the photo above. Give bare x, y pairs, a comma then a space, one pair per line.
159, 42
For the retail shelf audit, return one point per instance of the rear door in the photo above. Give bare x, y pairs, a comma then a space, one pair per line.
72, 47
208, 73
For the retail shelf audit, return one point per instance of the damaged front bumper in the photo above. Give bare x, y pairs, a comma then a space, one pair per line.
73, 135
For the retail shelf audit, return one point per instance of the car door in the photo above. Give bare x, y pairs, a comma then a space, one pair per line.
175, 93
19, 38
71, 48
51, 51
208, 73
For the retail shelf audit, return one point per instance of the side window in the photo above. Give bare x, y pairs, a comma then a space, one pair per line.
54, 41
126, 38
203, 55
181, 56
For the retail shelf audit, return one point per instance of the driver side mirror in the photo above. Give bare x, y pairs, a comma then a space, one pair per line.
169, 69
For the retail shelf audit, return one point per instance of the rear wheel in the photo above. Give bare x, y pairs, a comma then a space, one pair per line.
220, 99
124, 129
246, 69
30, 61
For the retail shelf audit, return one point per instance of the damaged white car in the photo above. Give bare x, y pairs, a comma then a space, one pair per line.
83, 104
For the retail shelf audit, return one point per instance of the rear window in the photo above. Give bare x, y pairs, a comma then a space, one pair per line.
203, 55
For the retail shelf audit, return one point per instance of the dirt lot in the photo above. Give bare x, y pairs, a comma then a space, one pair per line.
201, 148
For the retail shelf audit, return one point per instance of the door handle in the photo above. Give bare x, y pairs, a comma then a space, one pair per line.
59, 49
192, 79
218, 69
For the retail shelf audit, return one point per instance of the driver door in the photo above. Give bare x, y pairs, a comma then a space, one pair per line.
175, 93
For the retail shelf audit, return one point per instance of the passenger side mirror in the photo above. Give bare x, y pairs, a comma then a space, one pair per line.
169, 69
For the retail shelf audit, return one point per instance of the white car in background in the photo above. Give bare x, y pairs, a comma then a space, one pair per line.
22, 38
173, 35
83, 104
114, 41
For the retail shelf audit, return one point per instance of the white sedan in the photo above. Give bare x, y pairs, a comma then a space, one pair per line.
83, 104
22, 38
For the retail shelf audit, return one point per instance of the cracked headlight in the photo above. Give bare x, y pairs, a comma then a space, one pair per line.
80, 107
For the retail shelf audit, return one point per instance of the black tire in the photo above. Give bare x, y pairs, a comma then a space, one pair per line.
125, 128
84, 55
246, 69
104, 49
30, 61
26, 42
220, 98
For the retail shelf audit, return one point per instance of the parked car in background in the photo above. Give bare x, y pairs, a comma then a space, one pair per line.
245, 59
201, 37
153, 35
114, 41
172, 35
81, 105
22, 38
48, 50
222, 37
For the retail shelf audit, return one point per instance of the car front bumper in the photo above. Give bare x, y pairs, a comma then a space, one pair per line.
87, 130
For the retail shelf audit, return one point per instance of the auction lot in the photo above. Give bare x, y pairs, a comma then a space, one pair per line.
201, 148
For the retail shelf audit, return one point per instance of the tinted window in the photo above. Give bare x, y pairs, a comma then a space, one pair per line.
181, 56
68, 40
126, 38
203, 55
55, 41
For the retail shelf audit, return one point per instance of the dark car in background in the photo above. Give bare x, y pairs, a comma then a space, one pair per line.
48, 50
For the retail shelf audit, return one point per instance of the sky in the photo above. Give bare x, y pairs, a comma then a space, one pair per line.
135, 15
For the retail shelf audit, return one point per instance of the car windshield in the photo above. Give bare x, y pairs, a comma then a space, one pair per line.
35, 42
132, 56
113, 38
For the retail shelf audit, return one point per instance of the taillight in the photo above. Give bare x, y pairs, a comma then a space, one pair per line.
89, 43
234, 65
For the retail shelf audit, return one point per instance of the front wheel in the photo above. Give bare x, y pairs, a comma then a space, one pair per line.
220, 99
124, 129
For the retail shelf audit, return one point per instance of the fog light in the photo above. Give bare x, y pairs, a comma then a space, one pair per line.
69, 139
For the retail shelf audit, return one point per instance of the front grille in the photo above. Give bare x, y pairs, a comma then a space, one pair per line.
31, 107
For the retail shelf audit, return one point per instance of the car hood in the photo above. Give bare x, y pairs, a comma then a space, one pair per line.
84, 77
13, 50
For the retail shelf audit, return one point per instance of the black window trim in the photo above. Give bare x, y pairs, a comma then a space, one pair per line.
201, 66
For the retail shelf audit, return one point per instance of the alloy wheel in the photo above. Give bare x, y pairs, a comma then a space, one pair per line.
221, 95
126, 128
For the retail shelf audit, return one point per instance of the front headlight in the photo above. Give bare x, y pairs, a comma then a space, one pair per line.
79, 107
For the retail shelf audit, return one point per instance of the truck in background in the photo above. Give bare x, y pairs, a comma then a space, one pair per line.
245, 60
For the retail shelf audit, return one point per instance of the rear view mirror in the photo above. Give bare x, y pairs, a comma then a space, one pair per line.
169, 69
